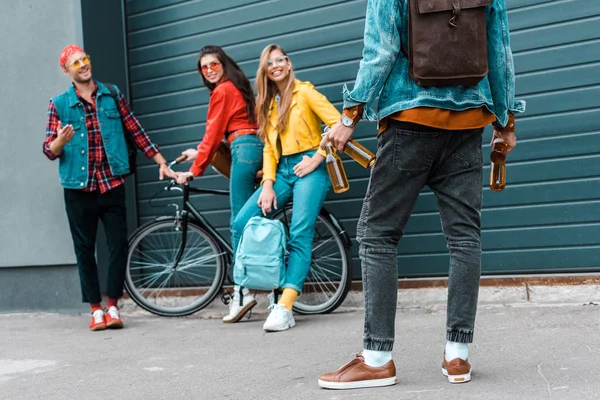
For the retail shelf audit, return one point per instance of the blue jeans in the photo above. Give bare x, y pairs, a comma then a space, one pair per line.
308, 195
246, 161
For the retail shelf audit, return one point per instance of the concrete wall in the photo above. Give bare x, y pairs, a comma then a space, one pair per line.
37, 262
36, 252
34, 227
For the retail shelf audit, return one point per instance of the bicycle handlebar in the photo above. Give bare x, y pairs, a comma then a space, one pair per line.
172, 185
178, 160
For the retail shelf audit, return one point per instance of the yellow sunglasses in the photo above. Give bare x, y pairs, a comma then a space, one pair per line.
85, 60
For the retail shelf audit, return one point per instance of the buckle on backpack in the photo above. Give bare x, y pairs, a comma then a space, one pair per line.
455, 13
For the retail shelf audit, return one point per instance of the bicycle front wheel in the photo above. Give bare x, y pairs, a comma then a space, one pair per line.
157, 284
330, 275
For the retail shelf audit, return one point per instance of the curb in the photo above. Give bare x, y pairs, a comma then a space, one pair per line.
509, 291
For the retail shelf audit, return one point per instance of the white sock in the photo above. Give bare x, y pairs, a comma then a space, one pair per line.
456, 350
376, 358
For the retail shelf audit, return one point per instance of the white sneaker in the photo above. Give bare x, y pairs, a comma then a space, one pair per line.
237, 310
271, 298
280, 319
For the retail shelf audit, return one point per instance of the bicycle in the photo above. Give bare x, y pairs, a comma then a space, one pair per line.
178, 264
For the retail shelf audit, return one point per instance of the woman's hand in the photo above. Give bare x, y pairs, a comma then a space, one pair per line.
190, 154
267, 199
306, 166
184, 177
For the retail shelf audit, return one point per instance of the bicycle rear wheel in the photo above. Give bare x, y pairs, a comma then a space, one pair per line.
330, 275
157, 285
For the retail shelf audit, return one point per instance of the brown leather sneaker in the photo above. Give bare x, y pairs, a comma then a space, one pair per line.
457, 370
356, 374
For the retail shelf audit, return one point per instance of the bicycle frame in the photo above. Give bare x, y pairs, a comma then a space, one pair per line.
188, 207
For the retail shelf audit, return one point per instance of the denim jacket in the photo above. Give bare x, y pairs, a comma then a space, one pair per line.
383, 69
73, 161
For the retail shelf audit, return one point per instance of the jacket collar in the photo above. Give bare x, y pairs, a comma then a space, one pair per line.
74, 99
294, 99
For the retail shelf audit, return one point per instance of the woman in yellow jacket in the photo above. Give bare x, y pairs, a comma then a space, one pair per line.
289, 114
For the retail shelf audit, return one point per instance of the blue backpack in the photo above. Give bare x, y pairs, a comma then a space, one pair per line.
261, 255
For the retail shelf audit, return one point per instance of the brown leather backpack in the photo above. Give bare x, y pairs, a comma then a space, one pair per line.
447, 42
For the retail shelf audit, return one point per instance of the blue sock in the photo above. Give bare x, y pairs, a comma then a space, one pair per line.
375, 358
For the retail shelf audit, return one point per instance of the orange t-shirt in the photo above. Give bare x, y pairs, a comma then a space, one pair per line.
473, 118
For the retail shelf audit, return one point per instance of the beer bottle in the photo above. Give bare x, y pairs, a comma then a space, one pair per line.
336, 171
498, 164
359, 153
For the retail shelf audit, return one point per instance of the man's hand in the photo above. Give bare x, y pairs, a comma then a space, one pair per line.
64, 134
183, 177
164, 170
306, 166
338, 135
190, 154
509, 138
267, 199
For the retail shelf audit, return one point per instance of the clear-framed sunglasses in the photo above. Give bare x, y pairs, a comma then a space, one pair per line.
277, 62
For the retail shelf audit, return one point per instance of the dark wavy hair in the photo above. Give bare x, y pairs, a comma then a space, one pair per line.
234, 73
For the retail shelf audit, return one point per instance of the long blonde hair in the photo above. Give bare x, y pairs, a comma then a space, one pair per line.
267, 89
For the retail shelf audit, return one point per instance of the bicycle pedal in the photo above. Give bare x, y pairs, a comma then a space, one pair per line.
226, 298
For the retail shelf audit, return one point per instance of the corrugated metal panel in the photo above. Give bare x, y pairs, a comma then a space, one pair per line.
546, 219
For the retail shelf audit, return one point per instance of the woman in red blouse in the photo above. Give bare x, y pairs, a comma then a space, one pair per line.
230, 116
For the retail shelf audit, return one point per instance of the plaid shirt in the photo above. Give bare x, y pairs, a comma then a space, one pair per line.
99, 175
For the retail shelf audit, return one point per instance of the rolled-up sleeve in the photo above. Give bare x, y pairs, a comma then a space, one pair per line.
269, 162
216, 125
51, 131
501, 74
381, 48
134, 128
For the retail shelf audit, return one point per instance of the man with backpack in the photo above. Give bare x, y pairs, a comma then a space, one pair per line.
87, 130
443, 70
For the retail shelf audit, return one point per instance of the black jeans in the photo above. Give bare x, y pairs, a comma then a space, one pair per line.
408, 158
84, 209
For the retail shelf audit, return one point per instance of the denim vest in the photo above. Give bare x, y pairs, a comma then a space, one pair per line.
383, 69
73, 161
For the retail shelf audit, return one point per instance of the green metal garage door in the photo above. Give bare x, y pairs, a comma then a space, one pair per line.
547, 218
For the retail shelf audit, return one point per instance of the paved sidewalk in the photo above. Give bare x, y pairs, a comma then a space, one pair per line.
526, 352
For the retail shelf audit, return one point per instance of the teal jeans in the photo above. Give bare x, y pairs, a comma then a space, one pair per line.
308, 195
246, 161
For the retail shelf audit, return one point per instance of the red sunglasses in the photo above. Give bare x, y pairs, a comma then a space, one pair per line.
212, 66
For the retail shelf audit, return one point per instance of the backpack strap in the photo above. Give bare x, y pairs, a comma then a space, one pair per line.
131, 147
113, 92
276, 294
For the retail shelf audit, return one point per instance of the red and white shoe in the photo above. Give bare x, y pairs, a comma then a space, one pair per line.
98, 321
113, 318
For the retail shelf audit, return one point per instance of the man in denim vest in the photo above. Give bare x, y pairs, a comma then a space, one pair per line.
428, 136
86, 131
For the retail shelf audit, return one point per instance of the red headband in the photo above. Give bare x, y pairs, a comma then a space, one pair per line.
68, 52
